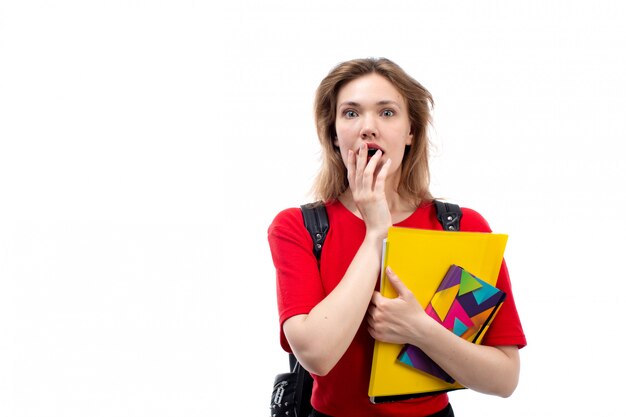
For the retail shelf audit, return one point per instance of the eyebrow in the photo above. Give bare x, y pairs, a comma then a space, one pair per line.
378, 103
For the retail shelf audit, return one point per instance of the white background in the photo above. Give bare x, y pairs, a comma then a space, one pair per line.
145, 147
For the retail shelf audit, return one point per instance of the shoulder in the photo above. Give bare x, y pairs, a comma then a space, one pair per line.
293, 215
287, 231
289, 218
473, 221
288, 215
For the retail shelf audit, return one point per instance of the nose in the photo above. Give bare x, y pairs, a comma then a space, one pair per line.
369, 128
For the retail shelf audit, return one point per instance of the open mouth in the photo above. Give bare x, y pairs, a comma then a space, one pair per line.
371, 151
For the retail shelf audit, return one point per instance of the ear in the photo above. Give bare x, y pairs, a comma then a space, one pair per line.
333, 135
409, 139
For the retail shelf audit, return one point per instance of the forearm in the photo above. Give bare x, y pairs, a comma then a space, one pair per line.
320, 338
486, 369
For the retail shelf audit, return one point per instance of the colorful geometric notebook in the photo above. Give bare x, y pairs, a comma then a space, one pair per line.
463, 304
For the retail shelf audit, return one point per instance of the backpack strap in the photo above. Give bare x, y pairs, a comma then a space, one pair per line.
449, 215
316, 222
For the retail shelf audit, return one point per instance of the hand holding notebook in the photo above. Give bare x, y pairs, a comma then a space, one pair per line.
463, 304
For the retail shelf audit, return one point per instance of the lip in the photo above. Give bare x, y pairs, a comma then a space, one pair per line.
372, 148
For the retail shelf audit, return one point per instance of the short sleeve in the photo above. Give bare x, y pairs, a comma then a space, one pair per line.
506, 328
298, 284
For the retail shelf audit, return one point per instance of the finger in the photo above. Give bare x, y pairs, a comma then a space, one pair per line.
379, 186
370, 311
361, 161
376, 298
369, 172
351, 166
372, 332
371, 322
397, 284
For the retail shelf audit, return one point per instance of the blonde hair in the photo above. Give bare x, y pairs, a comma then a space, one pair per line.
332, 178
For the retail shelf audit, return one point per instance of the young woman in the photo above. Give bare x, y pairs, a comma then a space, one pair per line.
372, 121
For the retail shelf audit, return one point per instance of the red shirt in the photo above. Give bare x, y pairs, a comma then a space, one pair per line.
301, 285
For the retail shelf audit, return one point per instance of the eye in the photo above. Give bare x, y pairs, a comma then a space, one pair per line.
388, 113
350, 114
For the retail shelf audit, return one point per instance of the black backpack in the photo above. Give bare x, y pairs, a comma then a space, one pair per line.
291, 395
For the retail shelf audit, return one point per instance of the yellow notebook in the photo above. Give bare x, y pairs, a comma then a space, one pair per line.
421, 259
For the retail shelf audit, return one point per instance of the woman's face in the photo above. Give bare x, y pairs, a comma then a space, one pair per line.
371, 110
